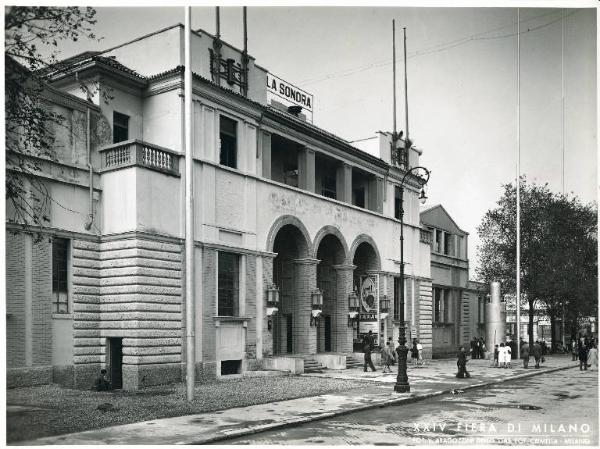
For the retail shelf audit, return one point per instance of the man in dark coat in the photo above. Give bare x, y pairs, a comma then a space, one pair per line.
462, 364
537, 353
474, 354
367, 348
525, 355
583, 355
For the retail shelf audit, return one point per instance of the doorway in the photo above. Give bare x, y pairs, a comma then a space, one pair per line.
327, 322
115, 347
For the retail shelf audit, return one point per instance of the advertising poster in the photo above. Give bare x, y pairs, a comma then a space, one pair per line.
369, 306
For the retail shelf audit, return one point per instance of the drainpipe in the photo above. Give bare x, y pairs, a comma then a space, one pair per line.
90, 219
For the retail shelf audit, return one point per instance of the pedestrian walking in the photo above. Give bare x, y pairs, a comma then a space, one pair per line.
509, 353
537, 353
496, 353
574, 350
388, 356
393, 346
583, 357
525, 355
592, 358
367, 349
419, 353
414, 353
461, 363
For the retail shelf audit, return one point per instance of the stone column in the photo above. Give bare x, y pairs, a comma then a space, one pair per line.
344, 183
305, 282
306, 169
342, 333
266, 154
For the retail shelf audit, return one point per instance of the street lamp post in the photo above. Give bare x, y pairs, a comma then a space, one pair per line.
402, 385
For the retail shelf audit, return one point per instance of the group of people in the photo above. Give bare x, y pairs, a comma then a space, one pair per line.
586, 351
478, 348
536, 351
388, 353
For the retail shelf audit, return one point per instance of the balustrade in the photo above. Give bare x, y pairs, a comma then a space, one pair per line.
139, 153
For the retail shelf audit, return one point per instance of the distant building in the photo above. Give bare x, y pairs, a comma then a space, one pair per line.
458, 304
283, 209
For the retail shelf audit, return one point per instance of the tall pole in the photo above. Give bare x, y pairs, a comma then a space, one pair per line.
407, 142
402, 385
518, 184
245, 59
394, 68
395, 133
190, 378
562, 90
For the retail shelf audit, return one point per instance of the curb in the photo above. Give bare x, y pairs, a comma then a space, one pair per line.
386, 403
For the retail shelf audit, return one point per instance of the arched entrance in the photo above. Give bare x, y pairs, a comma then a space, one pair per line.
290, 244
332, 255
366, 284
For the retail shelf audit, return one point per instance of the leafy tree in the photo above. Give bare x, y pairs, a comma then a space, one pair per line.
558, 251
32, 36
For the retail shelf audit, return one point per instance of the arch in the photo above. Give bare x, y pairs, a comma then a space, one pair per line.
366, 239
285, 220
324, 232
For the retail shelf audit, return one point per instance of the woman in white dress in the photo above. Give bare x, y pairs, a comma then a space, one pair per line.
593, 358
502, 356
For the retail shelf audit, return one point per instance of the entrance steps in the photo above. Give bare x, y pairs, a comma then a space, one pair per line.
312, 366
352, 361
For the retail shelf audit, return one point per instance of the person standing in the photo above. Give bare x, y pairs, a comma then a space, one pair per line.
502, 355
419, 353
414, 352
592, 359
461, 363
101, 383
525, 355
583, 357
474, 348
367, 349
388, 355
574, 349
537, 353
393, 346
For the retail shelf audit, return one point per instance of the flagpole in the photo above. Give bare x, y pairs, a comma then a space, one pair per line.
190, 378
518, 273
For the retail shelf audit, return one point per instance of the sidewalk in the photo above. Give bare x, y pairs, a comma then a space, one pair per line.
374, 390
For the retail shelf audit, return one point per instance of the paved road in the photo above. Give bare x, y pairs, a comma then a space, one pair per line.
560, 408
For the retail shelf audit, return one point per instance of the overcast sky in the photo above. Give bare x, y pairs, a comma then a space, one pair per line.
462, 86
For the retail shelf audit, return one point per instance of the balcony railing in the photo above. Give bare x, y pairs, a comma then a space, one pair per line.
426, 236
138, 153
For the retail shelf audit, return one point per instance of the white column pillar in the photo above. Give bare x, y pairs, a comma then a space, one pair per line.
260, 300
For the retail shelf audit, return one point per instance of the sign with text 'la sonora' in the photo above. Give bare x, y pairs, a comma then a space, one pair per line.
290, 94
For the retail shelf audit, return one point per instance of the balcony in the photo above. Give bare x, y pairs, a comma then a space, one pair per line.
138, 153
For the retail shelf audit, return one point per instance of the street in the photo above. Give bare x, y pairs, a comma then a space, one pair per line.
558, 408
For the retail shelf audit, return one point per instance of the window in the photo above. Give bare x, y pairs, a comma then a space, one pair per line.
359, 197
442, 311
228, 284
397, 203
60, 282
438, 241
448, 244
328, 187
437, 305
228, 138
120, 127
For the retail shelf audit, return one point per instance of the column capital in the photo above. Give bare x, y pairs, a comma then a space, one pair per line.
306, 261
342, 267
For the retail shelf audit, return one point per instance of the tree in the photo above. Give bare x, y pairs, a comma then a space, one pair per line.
558, 251
32, 35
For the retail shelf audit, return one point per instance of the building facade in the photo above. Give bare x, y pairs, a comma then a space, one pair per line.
282, 209
458, 304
